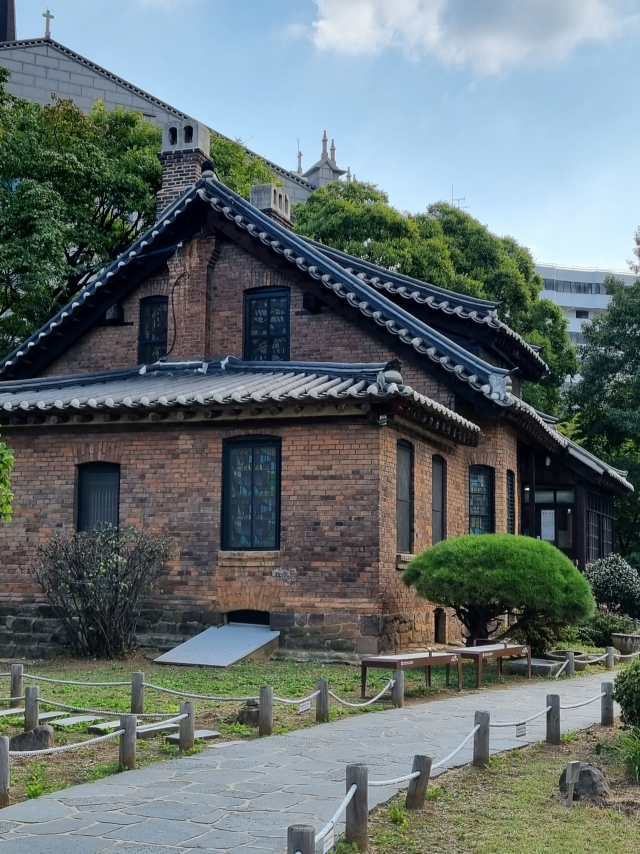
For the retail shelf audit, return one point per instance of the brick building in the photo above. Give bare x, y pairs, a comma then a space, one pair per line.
300, 421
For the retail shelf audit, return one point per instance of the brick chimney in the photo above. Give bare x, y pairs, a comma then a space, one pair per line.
273, 201
186, 146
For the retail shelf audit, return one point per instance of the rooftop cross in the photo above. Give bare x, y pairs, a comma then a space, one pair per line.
49, 17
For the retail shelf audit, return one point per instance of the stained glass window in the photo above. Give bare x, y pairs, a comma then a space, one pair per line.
438, 491
98, 496
266, 325
481, 515
153, 329
404, 498
511, 503
251, 518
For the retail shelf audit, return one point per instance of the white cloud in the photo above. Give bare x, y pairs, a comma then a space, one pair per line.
486, 34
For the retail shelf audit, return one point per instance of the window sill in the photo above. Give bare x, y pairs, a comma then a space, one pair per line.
253, 557
402, 561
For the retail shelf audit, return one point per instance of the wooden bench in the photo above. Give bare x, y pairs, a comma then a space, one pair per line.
480, 654
412, 661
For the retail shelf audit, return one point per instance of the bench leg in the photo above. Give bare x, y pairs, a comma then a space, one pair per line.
363, 681
478, 672
428, 669
448, 672
529, 662
499, 665
459, 674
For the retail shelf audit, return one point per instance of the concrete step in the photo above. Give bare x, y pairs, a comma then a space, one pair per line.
45, 717
204, 734
64, 723
9, 713
105, 728
151, 730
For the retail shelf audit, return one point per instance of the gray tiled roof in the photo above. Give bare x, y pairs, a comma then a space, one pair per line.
228, 382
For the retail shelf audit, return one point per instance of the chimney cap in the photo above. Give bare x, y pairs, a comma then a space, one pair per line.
186, 135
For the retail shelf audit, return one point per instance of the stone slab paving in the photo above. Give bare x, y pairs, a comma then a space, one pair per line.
239, 797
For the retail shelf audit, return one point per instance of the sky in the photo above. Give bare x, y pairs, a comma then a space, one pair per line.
526, 109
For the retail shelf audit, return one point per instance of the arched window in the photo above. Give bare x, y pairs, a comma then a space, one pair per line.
173, 136
251, 494
511, 503
404, 498
153, 329
188, 134
438, 500
98, 496
266, 325
481, 502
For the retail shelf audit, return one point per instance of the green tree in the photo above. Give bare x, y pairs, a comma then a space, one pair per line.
448, 248
237, 169
75, 190
606, 403
6, 464
483, 577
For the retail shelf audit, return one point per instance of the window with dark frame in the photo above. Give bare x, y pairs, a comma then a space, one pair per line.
153, 329
251, 494
404, 498
481, 500
266, 325
600, 527
98, 496
511, 503
438, 500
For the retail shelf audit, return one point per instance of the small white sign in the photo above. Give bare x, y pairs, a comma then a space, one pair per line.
521, 730
328, 842
548, 525
405, 663
304, 706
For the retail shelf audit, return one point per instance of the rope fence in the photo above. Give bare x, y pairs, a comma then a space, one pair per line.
66, 747
104, 712
342, 702
302, 839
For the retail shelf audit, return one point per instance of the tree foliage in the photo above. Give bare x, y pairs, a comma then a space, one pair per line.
605, 405
75, 190
6, 464
482, 577
94, 582
448, 248
237, 169
615, 585
626, 691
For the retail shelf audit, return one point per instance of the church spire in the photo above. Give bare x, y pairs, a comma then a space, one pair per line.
7, 20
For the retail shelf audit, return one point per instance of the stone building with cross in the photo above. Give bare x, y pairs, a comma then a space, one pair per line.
42, 67
300, 421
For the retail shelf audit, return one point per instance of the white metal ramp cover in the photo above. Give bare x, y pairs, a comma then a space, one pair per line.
220, 647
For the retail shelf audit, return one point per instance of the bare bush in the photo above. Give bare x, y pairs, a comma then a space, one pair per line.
94, 581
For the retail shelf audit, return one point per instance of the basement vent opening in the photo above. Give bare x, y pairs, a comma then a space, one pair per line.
252, 618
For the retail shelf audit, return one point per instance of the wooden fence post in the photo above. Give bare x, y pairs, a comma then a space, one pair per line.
397, 692
5, 772
322, 702
31, 707
302, 838
17, 689
186, 737
357, 817
129, 723
570, 669
137, 693
417, 791
553, 719
265, 714
606, 707
481, 740
610, 662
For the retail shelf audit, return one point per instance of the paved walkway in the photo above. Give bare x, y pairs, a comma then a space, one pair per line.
240, 797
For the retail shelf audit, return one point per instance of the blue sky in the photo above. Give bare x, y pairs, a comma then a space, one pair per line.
528, 108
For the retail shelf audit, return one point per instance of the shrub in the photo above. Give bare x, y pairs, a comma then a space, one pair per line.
94, 581
634, 560
598, 630
482, 577
627, 747
615, 584
626, 691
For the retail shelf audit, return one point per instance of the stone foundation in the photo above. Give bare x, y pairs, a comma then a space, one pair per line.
31, 631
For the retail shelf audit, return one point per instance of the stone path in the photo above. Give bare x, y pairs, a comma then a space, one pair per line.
239, 797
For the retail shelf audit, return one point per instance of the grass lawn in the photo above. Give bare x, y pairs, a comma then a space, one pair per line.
514, 807
290, 679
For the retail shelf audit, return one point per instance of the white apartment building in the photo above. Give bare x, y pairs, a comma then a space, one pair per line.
579, 291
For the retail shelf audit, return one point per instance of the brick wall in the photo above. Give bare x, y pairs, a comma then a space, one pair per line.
206, 286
